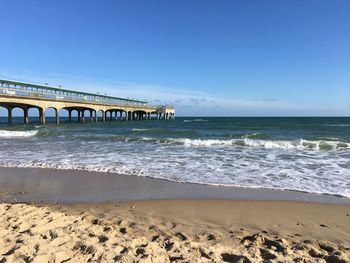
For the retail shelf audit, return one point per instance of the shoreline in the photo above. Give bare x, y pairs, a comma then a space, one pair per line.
44, 185
119, 218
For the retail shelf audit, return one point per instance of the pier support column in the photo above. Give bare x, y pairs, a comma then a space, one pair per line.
111, 115
149, 116
116, 115
83, 116
96, 117
103, 116
70, 115
42, 116
57, 116
91, 117
78, 115
26, 118
9, 116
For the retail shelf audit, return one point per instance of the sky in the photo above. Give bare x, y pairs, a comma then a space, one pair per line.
206, 57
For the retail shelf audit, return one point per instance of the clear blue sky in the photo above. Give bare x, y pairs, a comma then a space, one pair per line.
207, 57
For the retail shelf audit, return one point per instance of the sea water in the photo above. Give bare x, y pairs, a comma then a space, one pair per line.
302, 154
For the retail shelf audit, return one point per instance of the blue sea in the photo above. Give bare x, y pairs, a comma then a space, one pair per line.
302, 154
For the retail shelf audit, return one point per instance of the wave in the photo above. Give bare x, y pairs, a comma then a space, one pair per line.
267, 144
196, 120
17, 134
256, 136
143, 173
338, 125
138, 130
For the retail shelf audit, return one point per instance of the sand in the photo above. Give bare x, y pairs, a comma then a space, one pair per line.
175, 231
73, 186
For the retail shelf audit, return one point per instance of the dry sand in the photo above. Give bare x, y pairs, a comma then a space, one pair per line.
176, 231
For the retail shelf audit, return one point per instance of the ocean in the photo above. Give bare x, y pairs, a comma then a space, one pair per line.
301, 154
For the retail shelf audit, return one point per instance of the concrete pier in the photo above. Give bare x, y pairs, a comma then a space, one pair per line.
26, 96
9, 117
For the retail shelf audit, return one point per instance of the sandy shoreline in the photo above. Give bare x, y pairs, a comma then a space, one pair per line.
176, 231
195, 224
71, 186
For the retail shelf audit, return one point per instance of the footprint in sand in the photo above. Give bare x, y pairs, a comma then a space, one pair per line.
227, 257
181, 236
122, 230
102, 239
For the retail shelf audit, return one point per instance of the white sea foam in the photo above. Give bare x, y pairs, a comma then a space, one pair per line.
196, 120
267, 144
17, 134
138, 130
338, 125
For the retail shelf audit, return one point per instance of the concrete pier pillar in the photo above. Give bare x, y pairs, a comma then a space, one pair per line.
115, 115
149, 116
42, 116
78, 115
57, 116
70, 115
111, 115
103, 116
91, 117
96, 117
83, 116
9, 116
26, 118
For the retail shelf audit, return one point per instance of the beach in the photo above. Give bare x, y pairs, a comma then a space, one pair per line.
175, 131
176, 231
187, 190
263, 225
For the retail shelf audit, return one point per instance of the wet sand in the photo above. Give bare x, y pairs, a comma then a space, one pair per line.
71, 186
251, 225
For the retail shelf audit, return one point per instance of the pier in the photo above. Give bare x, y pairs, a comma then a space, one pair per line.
25, 96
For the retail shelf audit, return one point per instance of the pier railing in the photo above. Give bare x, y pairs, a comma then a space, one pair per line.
36, 91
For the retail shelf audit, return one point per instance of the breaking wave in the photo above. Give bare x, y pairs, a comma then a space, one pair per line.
17, 134
139, 130
267, 144
196, 120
